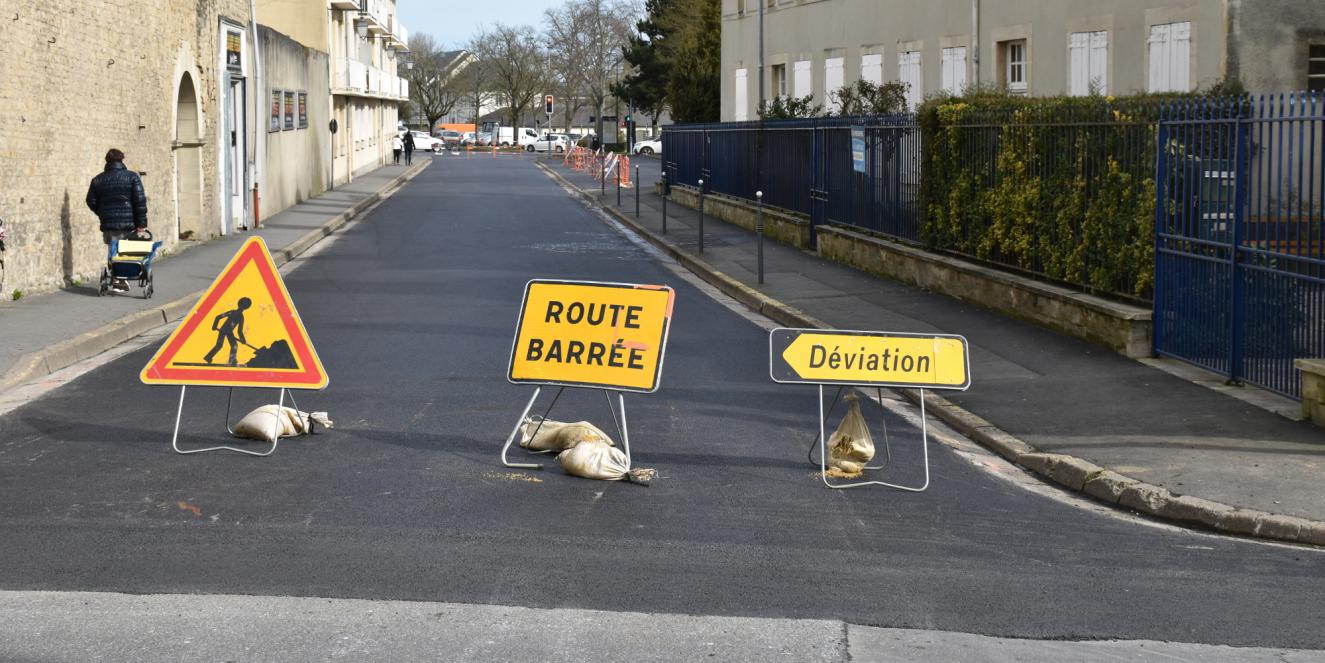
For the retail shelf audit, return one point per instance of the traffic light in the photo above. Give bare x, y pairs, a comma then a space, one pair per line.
548, 103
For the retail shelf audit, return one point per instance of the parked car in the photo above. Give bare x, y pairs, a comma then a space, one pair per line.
483, 139
554, 142
468, 138
653, 146
450, 139
422, 141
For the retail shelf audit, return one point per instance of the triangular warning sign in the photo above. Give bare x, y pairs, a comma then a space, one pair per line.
244, 332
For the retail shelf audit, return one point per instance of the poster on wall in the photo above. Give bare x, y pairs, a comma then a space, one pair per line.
303, 110
234, 41
289, 110
274, 120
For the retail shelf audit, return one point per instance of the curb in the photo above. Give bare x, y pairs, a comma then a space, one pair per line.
89, 344
1068, 471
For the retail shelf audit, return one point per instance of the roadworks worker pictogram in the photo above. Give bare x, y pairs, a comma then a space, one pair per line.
244, 332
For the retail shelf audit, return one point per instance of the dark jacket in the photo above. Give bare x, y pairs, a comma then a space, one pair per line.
409, 141
117, 198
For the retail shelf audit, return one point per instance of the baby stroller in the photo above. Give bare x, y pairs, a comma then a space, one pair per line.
130, 259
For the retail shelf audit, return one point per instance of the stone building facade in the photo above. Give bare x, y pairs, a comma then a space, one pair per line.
1040, 48
166, 81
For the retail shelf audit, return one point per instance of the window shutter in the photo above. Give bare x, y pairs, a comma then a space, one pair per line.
871, 68
742, 109
1159, 58
1099, 61
1180, 44
802, 80
1079, 64
908, 71
833, 73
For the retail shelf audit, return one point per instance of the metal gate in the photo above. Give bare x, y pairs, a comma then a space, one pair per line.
1240, 236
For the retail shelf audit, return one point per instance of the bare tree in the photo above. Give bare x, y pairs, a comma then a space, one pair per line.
433, 87
592, 34
517, 63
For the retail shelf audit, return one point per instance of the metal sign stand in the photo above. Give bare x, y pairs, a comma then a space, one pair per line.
621, 427
174, 438
823, 450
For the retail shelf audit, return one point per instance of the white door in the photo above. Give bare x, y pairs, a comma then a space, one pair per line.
741, 104
233, 153
801, 79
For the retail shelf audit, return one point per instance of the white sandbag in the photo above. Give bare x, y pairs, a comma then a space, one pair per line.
267, 423
595, 459
851, 447
558, 435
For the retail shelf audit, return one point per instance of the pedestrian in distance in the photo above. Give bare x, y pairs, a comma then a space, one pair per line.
396, 146
229, 327
116, 196
409, 147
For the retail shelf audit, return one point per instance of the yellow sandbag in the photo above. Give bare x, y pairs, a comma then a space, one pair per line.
267, 424
851, 447
558, 435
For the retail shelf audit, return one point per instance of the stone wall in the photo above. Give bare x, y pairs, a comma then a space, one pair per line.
78, 77
779, 225
1119, 327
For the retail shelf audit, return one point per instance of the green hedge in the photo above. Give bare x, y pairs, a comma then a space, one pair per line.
1060, 186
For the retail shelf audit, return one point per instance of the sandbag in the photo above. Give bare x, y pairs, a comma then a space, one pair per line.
594, 459
267, 424
558, 435
850, 447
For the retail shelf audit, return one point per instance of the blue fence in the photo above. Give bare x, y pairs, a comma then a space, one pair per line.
807, 167
1240, 236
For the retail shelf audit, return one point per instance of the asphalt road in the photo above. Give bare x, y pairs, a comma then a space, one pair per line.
412, 312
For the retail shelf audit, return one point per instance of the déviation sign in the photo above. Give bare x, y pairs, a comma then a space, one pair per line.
882, 359
589, 334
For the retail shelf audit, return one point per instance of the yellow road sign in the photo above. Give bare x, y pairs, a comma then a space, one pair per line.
820, 356
588, 334
244, 332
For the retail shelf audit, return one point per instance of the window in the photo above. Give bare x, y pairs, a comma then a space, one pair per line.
1088, 66
1316, 68
802, 82
908, 72
742, 105
832, 81
779, 80
1014, 65
954, 69
871, 68
1170, 57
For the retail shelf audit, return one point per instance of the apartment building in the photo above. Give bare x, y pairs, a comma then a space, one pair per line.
363, 40
1040, 48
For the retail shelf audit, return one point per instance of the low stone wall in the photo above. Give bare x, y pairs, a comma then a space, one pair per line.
1313, 389
779, 225
1120, 327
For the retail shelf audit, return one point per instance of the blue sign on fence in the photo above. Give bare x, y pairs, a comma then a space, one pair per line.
858, 149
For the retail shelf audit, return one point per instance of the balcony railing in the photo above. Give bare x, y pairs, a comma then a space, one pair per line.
352, 77
399, 38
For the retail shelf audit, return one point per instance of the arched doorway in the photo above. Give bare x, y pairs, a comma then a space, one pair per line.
188, 162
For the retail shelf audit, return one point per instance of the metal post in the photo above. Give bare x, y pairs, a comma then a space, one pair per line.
664, 197
602, 178
618, 184
759, 232
701, 216
637, 187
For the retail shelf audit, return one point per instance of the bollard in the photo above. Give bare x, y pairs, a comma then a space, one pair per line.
759, 232
602, 181
637, 188
618, 185
664, 197
701, 216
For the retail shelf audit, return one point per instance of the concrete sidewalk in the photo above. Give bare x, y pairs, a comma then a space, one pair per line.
1083, 416
47, 332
